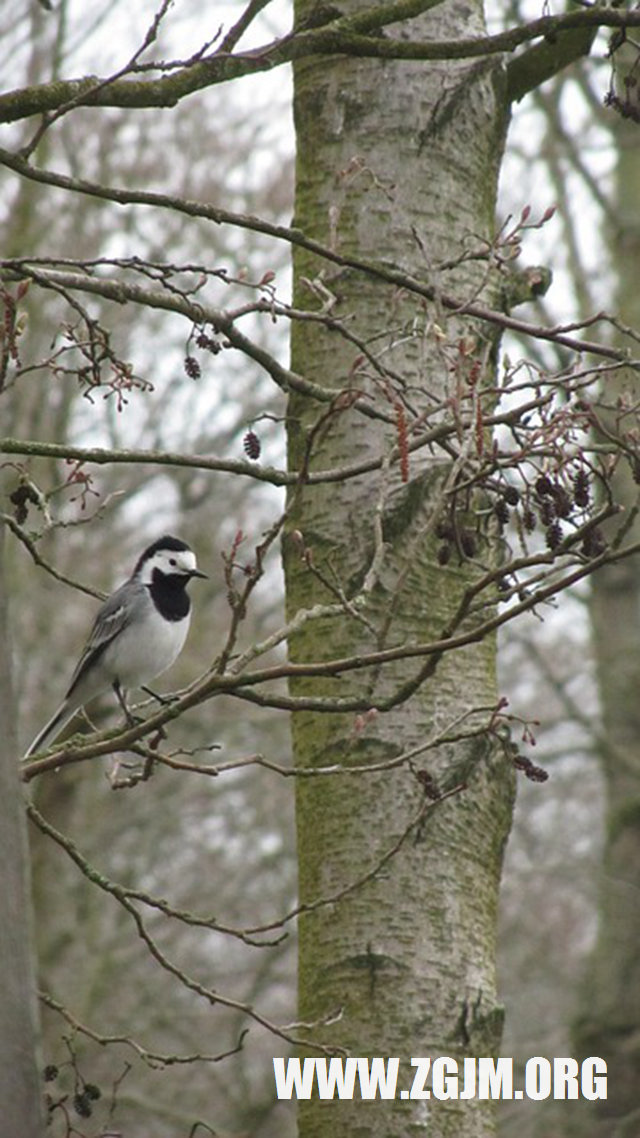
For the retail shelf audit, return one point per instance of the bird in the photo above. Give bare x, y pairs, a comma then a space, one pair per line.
137, 634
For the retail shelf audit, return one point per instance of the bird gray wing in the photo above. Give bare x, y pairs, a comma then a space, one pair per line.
110, 620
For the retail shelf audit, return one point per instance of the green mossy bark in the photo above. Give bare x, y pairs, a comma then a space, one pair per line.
408, 959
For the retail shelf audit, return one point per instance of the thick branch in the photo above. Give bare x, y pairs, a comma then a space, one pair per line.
102, 456
546, 59
198, 73
343, 36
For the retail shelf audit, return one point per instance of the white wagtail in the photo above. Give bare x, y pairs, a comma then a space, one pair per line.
137, 634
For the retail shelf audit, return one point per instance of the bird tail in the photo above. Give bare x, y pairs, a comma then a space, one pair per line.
52, 729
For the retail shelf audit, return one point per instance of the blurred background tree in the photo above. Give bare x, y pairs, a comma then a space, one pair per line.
570, 909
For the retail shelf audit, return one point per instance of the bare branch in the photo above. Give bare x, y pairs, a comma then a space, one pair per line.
242, 687
121, 895
153, 1059
121, 291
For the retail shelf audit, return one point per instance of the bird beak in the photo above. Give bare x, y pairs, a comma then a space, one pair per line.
198, 573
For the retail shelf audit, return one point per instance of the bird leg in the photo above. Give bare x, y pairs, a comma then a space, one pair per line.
131, 719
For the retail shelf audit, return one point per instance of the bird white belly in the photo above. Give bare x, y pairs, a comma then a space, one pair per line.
136, 658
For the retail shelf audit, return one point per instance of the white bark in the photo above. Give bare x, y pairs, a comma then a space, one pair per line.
387, 151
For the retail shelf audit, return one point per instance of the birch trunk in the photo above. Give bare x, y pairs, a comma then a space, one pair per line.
397, 162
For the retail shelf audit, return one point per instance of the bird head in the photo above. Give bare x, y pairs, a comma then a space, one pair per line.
170, 557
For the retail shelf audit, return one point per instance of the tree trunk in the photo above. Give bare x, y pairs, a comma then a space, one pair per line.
397, 162
20, 1088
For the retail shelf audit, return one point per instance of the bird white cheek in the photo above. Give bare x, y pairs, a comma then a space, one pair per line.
149, 652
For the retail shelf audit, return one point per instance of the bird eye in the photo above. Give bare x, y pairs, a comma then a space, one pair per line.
172, 561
